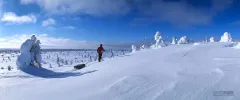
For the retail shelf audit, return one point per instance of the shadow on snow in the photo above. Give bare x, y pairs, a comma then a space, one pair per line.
45, 73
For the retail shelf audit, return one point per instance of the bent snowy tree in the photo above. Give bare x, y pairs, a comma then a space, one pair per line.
30, 53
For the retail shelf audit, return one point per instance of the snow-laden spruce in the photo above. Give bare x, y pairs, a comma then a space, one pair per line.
226, 37
174, 40
159, 41
212, 39
183, 40
30, 53
134, 48
157, 38
152, 46
206, 40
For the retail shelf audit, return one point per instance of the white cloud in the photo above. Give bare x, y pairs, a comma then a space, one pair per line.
46, 42
51, 28
11, 17
26, 1
91, 7
2, 39
48, 22
70, 27
180, 12
49, 42
1, 3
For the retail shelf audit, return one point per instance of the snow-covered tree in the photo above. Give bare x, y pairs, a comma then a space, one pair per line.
9, 68
183, 40
123, 52
90, 58
142, 47
66, 62
37, 53
112, 54
9, 58
71, 62
159, 41
174, 40
152, 46
211, 39
50, 66
134, 48
226, 37
58, 61
30, 53
33, 37
157, 38
206, 40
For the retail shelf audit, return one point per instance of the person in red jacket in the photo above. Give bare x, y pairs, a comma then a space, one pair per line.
100, 51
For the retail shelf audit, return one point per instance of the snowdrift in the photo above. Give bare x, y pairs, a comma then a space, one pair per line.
177, 72
237, 46
196, 43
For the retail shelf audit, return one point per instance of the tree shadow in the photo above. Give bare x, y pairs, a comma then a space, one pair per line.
45, 73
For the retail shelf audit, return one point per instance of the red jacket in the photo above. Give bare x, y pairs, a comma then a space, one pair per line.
100, 50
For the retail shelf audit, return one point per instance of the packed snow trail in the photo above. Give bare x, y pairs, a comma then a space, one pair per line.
177, 72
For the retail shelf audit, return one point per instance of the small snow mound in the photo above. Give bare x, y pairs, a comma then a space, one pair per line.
143, 47
219, 71
237, 46
196, 43
226, 37
231, 44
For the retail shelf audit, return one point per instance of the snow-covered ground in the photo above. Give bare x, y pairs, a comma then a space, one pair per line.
176, 72
55, 58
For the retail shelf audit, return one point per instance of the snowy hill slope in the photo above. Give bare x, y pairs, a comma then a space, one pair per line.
177, 72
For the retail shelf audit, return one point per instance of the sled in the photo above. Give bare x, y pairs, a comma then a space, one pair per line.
79, 66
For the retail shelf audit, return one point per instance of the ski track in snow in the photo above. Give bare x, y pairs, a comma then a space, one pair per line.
177, 72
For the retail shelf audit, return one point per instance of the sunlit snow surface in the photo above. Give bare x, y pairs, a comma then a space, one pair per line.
176, 72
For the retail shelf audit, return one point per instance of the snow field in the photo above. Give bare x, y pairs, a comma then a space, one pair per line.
182, 72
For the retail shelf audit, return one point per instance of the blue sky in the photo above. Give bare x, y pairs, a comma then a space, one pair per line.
114, 21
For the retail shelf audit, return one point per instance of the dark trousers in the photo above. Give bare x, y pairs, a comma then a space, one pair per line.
99, 57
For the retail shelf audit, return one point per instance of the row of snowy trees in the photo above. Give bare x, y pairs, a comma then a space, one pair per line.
226, 37
160, 42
